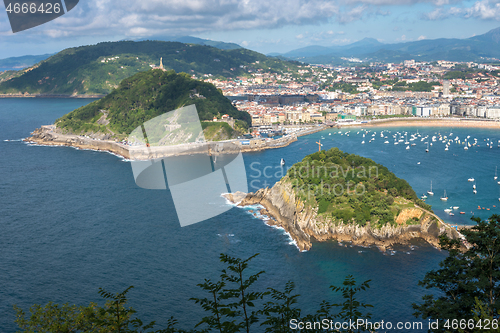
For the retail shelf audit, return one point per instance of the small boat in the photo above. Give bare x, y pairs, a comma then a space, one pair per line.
447, 210
407, 147
462, 213
470, 179
451, 214
444, 197
423, 196
430, 192
456, 207
495, 178
474, 186
386, 141
466, 148
282, 162
362, 142
474, 191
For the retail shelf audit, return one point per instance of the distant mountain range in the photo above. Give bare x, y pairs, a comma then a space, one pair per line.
16, 63
477, 48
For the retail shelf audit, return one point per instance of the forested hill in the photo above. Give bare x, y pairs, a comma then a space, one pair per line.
345, 187
97, 69
145, 96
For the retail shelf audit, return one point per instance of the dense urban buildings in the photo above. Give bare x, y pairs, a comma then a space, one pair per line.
320, 93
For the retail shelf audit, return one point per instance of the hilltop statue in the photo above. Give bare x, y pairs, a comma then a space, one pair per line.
161, 63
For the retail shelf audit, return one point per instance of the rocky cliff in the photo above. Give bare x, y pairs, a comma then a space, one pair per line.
303, 223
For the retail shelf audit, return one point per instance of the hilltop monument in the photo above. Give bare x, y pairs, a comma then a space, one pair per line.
161, 62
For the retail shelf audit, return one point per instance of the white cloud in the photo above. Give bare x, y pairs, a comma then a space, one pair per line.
422, 37
483, 9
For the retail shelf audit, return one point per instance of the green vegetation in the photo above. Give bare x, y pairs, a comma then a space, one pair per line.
344, 87
147, 95
232, 305
415, 86
349, 188
468, 281
377, 83
98, 69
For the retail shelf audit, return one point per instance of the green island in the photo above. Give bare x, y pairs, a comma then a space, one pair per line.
149, 94
98, 69
336, 195
349, 188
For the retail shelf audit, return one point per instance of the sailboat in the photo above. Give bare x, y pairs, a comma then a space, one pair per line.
427, 150
430, 192
282, 162
495, 178
444, 197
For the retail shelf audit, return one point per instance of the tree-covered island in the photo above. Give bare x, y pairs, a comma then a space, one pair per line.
335, 195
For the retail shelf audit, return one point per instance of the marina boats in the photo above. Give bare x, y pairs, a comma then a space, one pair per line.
444, 197
430, 191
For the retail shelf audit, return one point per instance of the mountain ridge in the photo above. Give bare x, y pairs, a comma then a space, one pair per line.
474, 48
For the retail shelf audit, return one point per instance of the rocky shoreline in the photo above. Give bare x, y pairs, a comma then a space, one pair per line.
304, 225
50, 135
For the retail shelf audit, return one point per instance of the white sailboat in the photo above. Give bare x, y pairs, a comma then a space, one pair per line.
495, 178
427, 150
282, 162
430, 192
444, 197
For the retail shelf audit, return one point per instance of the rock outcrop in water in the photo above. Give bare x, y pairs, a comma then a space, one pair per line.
304, 224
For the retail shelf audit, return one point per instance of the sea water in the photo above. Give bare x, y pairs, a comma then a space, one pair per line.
73, 221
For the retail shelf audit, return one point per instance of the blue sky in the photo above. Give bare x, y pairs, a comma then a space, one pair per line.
261, 25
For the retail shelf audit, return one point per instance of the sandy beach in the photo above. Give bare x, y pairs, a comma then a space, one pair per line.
446, 122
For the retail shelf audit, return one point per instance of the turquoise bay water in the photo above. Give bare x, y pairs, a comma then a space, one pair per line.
73, 221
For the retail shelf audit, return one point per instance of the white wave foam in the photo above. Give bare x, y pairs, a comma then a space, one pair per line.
14, 140
256, 214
